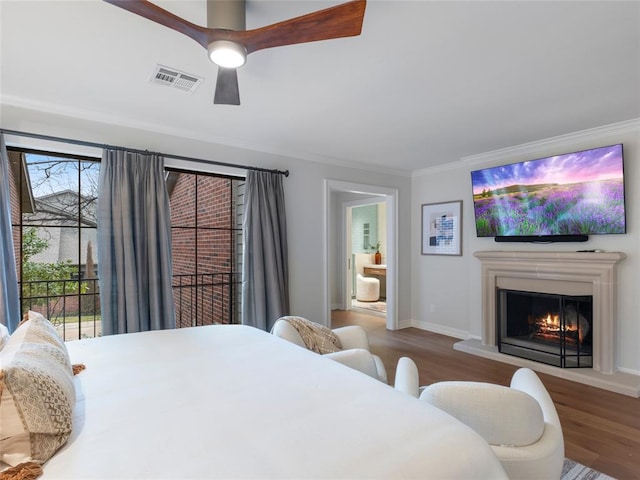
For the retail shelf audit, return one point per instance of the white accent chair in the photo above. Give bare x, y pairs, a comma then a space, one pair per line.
407, 379
367, 289
519, 422
355, 348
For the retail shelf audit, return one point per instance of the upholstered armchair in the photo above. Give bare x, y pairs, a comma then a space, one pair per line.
407, 378
354, 350
519, 422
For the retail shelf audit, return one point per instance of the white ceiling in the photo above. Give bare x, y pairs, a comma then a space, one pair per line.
427, 82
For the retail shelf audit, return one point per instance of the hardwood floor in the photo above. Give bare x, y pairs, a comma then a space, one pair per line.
601, 428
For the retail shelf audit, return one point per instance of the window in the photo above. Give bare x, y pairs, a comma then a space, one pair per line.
53, 212
206, 224
54, 200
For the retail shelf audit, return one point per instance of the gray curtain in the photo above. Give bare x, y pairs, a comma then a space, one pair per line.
9, 299
134, 244
265, 275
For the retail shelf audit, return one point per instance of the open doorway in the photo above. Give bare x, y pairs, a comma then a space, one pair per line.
338, 288
365, 237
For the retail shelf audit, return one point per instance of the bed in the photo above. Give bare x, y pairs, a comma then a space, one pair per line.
231, 401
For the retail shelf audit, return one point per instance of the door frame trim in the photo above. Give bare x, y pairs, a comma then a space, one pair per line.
390, 196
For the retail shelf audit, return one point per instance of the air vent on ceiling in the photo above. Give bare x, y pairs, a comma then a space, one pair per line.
175, 78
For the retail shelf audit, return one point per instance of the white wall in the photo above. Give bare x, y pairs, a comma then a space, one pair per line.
304, 193
446, 290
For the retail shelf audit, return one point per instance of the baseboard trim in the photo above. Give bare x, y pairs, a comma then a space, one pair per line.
405, 323
435, 328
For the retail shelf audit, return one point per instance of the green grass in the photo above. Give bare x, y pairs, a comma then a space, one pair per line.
76, 319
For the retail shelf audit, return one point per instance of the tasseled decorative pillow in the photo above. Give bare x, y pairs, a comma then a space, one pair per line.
37, 393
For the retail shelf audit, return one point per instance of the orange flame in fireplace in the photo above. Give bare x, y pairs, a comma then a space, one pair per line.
549, 326
552, 321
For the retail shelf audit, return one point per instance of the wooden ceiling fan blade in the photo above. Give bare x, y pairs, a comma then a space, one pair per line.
156, 14
227, 91
340, 21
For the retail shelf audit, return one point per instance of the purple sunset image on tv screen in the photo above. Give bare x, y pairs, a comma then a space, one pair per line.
579, 193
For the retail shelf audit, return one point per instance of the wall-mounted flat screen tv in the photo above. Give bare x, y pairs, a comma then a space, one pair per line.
574, 194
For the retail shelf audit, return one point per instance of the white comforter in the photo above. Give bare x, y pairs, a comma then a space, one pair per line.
236, 402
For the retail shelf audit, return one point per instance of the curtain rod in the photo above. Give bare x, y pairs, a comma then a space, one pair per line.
135, 150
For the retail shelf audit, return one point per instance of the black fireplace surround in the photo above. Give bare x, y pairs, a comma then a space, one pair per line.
546, 328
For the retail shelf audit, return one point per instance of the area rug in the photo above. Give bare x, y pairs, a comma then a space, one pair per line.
576, 471
380, 307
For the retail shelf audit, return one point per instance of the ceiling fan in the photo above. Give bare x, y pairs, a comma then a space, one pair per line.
228, 43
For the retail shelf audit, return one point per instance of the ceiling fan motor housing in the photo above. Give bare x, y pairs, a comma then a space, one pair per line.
226, 14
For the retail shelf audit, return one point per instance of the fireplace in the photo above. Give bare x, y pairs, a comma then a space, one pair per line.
571, 274
557, 273
555, 329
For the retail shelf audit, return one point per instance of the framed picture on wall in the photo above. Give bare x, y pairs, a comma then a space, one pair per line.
442, 228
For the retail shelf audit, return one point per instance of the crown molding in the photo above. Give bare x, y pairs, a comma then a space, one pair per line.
532, 148
88, 115
536, 147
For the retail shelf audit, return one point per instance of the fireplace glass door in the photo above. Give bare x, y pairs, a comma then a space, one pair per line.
547, 328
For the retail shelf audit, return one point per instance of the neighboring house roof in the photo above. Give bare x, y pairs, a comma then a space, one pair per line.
54, 212
61, 208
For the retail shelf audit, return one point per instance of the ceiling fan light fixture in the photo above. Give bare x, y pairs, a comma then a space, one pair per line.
227, 54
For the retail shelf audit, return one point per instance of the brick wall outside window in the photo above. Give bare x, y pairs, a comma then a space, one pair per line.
203, 221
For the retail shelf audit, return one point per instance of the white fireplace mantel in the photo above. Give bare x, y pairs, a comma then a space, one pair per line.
568, 273
584, 273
